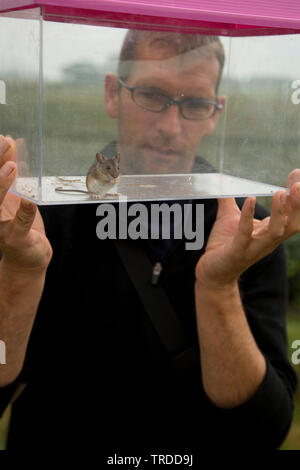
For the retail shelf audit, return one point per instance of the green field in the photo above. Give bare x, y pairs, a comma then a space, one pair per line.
4, 424
256, 138
292, 441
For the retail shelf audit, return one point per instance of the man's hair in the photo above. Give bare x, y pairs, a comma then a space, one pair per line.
172, 44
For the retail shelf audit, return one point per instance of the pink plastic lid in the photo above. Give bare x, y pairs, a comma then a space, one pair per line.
226, 17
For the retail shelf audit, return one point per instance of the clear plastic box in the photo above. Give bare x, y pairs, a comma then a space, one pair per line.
61, 99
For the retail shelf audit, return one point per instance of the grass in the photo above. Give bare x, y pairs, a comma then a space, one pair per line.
75, 125
4, 426
292, 441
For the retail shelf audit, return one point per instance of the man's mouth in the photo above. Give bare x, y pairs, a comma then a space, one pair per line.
162, 153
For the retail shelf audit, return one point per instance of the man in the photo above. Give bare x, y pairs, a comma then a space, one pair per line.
160, 137
97, 372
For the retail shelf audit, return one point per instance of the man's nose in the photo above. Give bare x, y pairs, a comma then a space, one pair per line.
170, 120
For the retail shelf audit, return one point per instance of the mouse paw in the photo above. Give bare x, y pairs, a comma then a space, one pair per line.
113, 195
97, 196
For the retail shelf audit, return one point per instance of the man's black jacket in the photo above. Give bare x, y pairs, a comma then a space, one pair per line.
98, 375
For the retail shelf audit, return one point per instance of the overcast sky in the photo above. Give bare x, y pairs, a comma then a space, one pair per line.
64, 44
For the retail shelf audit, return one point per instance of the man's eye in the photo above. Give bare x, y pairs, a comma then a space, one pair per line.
148, 94
150, 98
151, 95
193, 104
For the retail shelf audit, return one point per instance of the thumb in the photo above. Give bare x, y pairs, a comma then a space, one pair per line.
7, 175
24, 218
11, 152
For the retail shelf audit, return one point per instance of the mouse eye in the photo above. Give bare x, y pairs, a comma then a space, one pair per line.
108, 167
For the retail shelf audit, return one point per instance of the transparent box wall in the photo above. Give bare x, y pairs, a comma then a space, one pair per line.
61, 100
20, 94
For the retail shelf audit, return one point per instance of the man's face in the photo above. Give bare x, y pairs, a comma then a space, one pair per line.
164, 142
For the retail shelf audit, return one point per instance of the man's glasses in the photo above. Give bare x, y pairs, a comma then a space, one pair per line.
195, 109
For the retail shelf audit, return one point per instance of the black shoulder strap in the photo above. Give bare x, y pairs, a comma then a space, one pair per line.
157, 304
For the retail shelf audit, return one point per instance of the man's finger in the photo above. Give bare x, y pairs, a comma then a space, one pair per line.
4, 145
245, 228
24, 218
293, 177
7, 174
293, 222
8, 149
277, 222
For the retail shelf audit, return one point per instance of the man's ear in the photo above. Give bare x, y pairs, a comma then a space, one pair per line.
111, 95
211, 123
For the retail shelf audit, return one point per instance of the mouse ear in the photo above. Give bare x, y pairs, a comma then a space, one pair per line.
100, 157
118, 157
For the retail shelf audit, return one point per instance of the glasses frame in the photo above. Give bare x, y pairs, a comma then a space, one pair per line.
170, 102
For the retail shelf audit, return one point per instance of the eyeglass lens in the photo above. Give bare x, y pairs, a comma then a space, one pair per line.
154, 101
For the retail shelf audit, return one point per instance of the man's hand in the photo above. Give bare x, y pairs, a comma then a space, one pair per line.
26, 253
237, 240
232, 372
23, 243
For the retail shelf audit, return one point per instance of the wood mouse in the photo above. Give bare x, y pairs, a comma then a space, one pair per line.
102, 176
